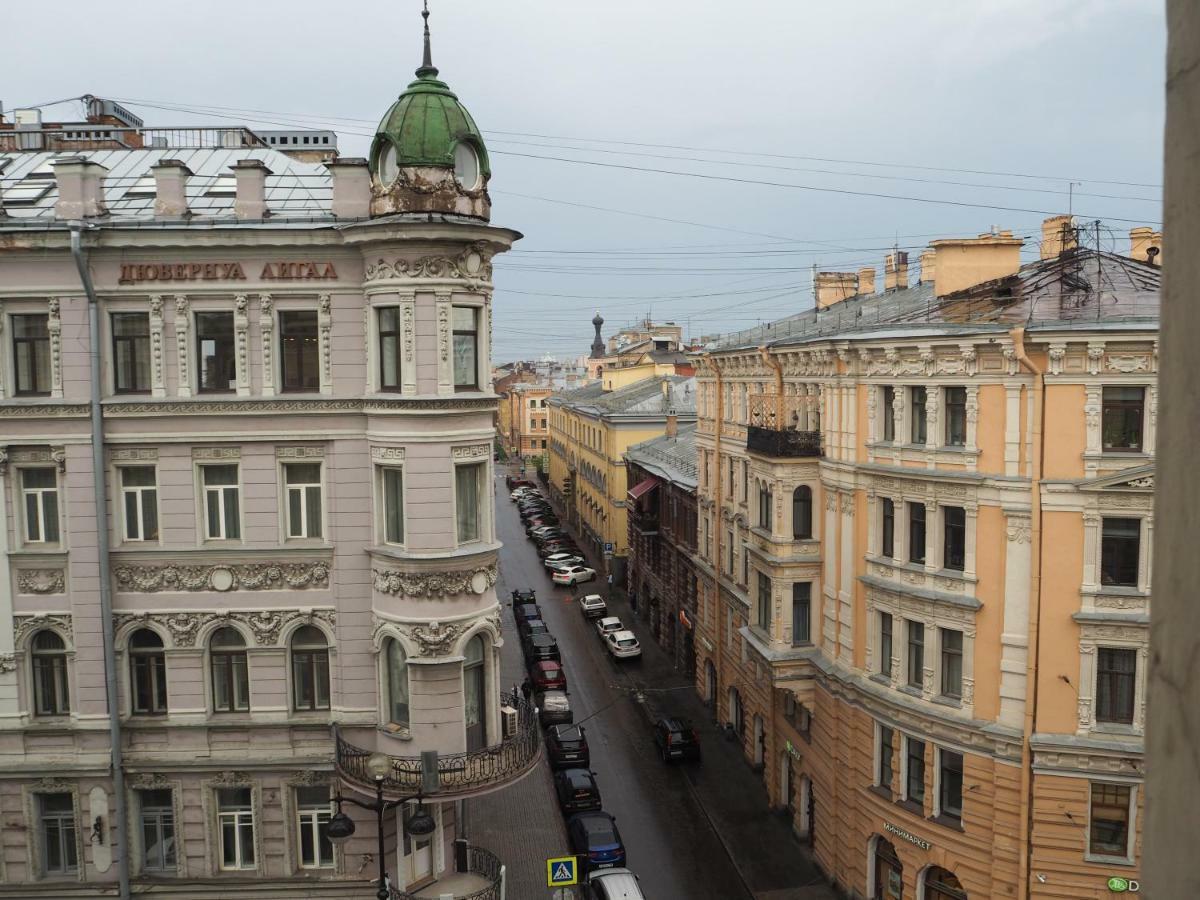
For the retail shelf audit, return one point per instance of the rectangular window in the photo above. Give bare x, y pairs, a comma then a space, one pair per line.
158, 830
1108, 827
1116, 675
389, 347
60, 852
952, 660
39, 489
883, 750
216, 355
31, 353
914, 770
764, 602
1120, 545
1122, 417
885, 644
235, 820
466, 348
299, 354
916, 532
468, 499
313, 814
801, 613
956, 416
303, 481
887, 542
729, 553
764, 507
139, 495
954, 539
916, 654
889, 414
916, 405
950, 778
393, 506
131, 352
221, 513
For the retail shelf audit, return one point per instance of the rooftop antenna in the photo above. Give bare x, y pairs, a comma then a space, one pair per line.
1071, 185
427, 67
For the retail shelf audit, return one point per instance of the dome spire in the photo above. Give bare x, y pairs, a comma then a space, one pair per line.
427, 67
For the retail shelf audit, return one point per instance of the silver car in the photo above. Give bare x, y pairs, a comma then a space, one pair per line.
593, 605
614, 884
623, 644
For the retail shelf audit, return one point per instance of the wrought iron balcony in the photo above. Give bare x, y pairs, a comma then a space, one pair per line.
480, 880
459, 774
646, 523
788, 443
776, 426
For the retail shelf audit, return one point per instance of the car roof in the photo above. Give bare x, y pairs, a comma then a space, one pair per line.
568, 732
592, 597
622, 635
555, 695
619, 884
594, 821
675, 723
546, 664
609, 620
577, 775
543, 637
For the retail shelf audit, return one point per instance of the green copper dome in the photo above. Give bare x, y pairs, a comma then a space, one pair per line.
426, 125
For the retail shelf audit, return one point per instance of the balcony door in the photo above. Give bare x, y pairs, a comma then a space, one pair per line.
418, 850
473, 694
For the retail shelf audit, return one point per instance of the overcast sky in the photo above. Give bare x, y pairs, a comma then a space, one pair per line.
872, 90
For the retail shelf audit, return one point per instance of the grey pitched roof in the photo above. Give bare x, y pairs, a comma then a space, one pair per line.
671, 458
1079, 289
644, 397
295, 189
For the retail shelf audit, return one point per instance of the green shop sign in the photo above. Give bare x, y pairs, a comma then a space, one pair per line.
1119, 885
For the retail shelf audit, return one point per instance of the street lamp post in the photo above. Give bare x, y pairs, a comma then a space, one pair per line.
341, 826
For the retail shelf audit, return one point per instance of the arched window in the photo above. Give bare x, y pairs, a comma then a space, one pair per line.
50, 696
888, 872
474, 682
942, 885
230, 674
397, 682
764, 505
802, 513
147, 673
310, 669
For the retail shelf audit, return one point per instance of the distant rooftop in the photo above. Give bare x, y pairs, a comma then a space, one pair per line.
645, 397
672, 458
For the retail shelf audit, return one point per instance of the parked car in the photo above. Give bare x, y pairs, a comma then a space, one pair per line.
523, 611
574, 575
594, 837
548, 675
607, 625
549, 522
527, 509
568, 564
541, 646
549, 548
613, 884
521, 493
565, 558
512, 482
528, 627
554, 708
623, 644
529, 595
577, 791
676, 739
593, 605
546, 532
567, 747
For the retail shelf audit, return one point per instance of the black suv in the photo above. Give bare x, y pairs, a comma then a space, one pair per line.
540, 647
527, 596
523, 611
676, 739
567, 747
576, 790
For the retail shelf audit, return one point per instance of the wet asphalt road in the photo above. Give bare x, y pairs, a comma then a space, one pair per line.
669, 841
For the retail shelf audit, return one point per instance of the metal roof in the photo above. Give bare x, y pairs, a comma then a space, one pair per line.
644, 397
295, 190
672, 458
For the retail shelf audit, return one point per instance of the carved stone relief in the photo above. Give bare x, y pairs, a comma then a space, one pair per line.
242, 577
434, 584
23, 626
41, 581
265, 625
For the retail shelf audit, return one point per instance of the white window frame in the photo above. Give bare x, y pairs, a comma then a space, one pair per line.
238, 818
141, 504
140, 837
938, 750
302, 489
309, 817
1093, 637
381, 493
220, 489
42, 518
938, 667
40, 836
903, 792
483, 512
877, 756
1130, 839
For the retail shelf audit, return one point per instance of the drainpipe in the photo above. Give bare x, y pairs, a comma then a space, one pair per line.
121, 849
773, 363
718, 418
1035, 604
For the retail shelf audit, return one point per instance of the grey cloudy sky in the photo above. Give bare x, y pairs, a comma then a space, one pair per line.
851, 96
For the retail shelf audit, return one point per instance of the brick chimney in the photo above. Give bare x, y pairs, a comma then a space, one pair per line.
928, 266
964, 262
672, 425
170, 189
351, 188
250, 201
1142, 241
895, 271
866, 281
1058, 236
834, 287
80, 188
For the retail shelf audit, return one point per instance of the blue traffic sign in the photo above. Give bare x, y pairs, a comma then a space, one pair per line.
562, 871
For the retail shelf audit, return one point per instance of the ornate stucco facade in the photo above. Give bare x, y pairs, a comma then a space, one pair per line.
296, 443
925, 534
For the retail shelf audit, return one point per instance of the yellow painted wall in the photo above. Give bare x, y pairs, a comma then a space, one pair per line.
989, 428
626, 375
990, 544
1063, 542
1065, 431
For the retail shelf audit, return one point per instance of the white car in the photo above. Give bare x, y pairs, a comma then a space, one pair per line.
623, 644
573, 575
593, 605
608, 625
568, 559
524, 492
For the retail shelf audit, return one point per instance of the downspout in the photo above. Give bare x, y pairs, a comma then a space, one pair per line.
121, 847
718, 418
775, 364
1038, 424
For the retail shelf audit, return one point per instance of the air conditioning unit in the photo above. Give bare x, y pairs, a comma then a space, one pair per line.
508, 719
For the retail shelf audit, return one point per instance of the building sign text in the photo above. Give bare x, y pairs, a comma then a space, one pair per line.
906, 835
133, 273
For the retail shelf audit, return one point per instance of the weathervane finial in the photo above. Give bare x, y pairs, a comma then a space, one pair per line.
427, 67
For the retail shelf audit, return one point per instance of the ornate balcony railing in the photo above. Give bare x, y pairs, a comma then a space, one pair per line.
787, 443
459, 774
777, 426
483, 863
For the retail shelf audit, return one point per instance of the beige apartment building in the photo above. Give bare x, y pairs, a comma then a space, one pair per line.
925, 542
529, 418
280, 482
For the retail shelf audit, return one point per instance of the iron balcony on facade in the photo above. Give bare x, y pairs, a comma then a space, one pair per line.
459, 775
778, 427
477, 876
645, 523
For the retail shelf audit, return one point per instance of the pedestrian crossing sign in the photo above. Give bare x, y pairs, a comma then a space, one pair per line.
562, 871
